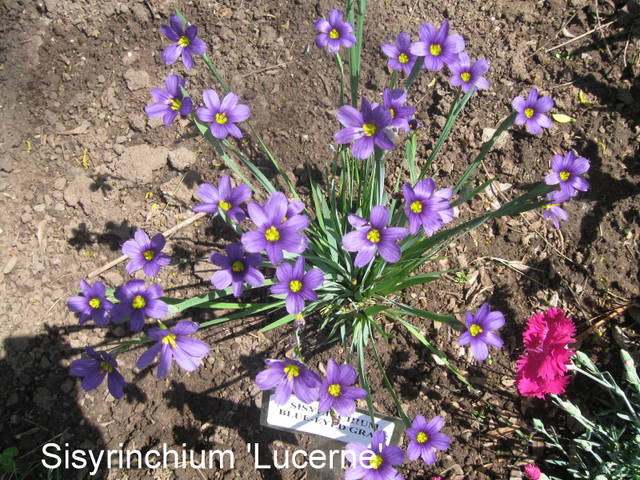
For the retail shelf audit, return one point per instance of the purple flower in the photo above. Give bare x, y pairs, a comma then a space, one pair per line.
400, 56
95, 368
566, 171
294, 207
297, 285
531, 111
237, 267
136, 302
375, 462
336, 391
426, 206
276, 232
170, 102
289, 376
92, 303
365, 128
437, 47
334, 32
174, 343
467, 74
553, 210
187, 42
374, 236
480, 328
393, 101
223, 116
224, 197
426, 438
145, 254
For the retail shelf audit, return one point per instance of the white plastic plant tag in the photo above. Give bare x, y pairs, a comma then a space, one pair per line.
304, 418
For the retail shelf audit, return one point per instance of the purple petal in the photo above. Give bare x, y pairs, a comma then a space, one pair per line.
116, 383
365, 255
269, 378
147, 357
185, 327
171, 53
349, 117
164, 365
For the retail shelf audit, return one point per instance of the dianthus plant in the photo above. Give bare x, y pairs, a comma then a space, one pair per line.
339, 253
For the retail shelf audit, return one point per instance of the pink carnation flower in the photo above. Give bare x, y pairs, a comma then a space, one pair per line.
542, 368
532, 471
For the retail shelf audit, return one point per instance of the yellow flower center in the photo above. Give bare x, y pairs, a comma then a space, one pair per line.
175, 104
272, 234
224, 205
549, 206
376, 462
95, 302
422, 437
295, 285
106, 367
138, 302
564, 176
529, 112
465, 76
237, 266
369, 129
373, 236
416, 206
148, 254
333, 34
334, 390
403, 58
292, 371
184, 41
392, 112
170, 340
435, 49
475, 329
221, 118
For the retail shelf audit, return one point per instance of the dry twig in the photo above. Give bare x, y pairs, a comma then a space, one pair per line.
166, 233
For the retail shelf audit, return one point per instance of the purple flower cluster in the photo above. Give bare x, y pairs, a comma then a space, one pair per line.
236, 268
335, 391
531, 111
171, 102
138, 302
375, 462
223, 197
399, 53
566, 172
335, 32
145, 253
174, 344
437, 46
186, 43
374, 236
480, 331
94, 369
365, 128
427, 207
426, 438
222, 116
276, 233
92, 304
297, 285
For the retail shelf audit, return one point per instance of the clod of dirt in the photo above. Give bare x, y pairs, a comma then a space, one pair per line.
139, 161
182, 158
137, 79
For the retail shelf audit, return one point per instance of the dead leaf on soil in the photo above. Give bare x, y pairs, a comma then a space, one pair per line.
501, 432
80, 129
